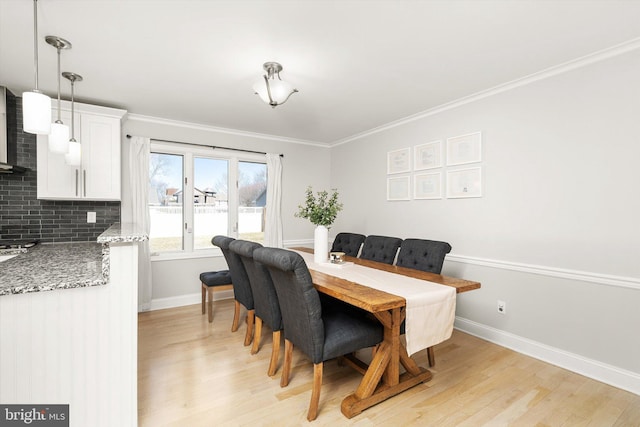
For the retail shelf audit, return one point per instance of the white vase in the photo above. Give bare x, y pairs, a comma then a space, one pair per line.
321, 244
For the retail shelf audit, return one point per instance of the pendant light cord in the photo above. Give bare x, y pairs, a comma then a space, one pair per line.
59, 120
35, 40
72, 115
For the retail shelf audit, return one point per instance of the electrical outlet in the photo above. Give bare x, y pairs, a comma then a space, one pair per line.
91, 217
502, 307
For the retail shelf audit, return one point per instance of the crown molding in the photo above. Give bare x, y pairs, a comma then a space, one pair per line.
214, 129
583, 61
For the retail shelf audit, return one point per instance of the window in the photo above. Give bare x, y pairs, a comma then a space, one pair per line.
191, 199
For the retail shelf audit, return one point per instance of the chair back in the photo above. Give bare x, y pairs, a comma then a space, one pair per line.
380, 248
299, 301
425, 255
241, 287
349, 243
265, 298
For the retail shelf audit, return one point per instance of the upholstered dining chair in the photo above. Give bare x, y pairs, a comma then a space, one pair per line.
213, 281
424, 255
349, 243
241, 287
321, 335
380, 248
265, 299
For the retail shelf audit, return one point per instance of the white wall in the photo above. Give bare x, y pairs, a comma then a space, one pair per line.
175, 282
556, 232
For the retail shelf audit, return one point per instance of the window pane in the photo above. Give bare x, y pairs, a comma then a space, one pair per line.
165, 202
252, 196
210, 200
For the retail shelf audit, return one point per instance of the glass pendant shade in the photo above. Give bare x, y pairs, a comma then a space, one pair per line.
74, 155
280, 90
36, 113
271, 89
59, 138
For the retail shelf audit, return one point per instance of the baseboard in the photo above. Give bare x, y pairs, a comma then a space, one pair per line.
298, 242
614, 376
189, 299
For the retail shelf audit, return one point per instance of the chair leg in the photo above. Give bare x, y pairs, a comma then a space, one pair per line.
204, 292
250, 318
275, 354
210, 303
432, 357
236, 316
257, 334
286, 365
315, 392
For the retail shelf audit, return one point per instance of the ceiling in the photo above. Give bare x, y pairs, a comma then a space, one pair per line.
357, 64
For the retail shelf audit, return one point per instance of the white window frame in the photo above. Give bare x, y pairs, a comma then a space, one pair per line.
188, 152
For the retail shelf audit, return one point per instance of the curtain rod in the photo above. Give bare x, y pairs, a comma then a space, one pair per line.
209, 146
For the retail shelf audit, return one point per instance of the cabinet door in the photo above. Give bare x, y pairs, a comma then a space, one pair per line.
100, 157
56, 179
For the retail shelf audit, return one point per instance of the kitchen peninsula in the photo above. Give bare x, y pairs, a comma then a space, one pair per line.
68, 327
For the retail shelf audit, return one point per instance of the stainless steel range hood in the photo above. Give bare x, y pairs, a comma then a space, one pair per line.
8, 133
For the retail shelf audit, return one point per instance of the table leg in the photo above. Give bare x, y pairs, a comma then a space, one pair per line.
385, 366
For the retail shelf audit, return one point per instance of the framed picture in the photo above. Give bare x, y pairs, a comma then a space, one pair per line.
398, 188
399, 161
462, 183
427, 156
464, 149
427, 186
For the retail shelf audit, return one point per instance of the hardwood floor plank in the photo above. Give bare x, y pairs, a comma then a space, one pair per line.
195, 373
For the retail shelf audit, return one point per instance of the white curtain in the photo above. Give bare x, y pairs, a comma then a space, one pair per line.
139, 148
273, 226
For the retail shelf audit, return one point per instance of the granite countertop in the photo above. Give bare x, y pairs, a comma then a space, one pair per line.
47, 267
126, 232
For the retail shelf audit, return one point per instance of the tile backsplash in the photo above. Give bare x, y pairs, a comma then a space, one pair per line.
23, 216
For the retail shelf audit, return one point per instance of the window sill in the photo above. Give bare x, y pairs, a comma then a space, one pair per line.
168, 256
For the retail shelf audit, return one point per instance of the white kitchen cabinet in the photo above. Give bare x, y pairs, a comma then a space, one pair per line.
98, 129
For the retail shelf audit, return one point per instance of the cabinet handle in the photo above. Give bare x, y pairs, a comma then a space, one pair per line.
84, 181
76, 182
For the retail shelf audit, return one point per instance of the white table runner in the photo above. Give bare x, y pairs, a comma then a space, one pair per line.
430, 309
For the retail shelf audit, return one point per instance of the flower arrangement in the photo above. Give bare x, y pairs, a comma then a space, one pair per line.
320, 210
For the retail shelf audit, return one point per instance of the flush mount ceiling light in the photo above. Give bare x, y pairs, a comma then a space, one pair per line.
59, 136
36, 106
274, 91
74, 155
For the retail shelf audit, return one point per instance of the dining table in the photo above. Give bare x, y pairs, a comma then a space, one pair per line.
378, 288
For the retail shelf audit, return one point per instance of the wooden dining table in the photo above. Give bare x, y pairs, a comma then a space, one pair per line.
381, 378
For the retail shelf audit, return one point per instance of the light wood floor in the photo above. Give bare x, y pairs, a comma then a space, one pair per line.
195, 373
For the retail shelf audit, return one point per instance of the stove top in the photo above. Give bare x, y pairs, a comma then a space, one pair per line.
17, 244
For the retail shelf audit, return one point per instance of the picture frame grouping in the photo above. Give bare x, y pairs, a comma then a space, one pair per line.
452, 167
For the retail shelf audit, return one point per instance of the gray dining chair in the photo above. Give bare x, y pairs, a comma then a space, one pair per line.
265, 299
319, 334
241, 287
349, 243
424, 255
380, 248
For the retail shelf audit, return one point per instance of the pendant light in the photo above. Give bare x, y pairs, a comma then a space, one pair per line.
36, 106
271, 90
59, 136
74, 155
